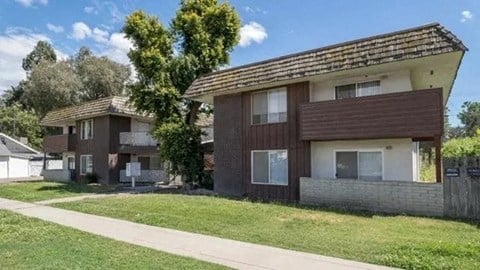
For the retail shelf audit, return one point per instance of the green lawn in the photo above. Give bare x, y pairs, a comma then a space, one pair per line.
28, 243
401, 241
37, 191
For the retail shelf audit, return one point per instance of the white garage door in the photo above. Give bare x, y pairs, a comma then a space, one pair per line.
18, 167
3, 169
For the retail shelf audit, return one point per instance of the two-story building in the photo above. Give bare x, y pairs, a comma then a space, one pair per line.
354, 110
99, 137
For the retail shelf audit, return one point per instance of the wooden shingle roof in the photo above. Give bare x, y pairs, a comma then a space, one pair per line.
110, 105
427, 40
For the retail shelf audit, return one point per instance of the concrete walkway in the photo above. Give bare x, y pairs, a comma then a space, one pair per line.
235, 254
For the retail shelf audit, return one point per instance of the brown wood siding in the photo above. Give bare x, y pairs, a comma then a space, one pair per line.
117, 162
228, 145
277, 136
412, 114
59, 143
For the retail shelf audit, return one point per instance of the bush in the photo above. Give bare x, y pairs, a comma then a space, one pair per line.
462, 147
91, 178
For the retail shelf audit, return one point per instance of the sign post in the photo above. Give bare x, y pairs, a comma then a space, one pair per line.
133, 169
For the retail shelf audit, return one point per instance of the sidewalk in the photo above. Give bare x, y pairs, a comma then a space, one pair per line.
235, 254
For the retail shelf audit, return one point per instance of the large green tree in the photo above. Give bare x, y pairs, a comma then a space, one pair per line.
52, 85
18, 122
470, 117
168, 59
100, 76
42, 52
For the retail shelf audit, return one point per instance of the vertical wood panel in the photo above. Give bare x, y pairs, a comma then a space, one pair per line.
277, 136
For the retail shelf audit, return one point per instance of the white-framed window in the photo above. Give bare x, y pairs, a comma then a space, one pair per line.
269, 106
359, 164
358, 89
86, 127
86, 164
270, 167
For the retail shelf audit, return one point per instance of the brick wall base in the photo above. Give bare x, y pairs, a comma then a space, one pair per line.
414, 198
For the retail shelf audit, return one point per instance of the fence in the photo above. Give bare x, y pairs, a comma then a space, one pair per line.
462, 187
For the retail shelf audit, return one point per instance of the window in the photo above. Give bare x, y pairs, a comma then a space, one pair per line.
269, 106
358, 90
87, 129
364, 165
144, 163
86, 164
270, 167
71, 163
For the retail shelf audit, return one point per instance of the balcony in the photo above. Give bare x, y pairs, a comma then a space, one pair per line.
137, 143
412, 114
59, 143
137, 139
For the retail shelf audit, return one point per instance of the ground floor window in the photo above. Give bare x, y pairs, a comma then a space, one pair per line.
270, 167
150, 162
86, 164
364, 165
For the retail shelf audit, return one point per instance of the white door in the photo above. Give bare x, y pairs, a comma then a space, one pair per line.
3, 168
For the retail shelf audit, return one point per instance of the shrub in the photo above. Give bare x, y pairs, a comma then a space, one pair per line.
462, 147
91, 178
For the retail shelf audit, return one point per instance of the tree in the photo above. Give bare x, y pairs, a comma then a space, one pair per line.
470, 117
18, 122
43, 51
168, 60
100, 76
52, 85
16, 95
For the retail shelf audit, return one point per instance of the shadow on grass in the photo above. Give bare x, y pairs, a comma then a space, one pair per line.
74, 187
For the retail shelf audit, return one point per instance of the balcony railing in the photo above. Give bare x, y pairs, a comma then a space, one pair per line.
137, 139
412, 114
59, 143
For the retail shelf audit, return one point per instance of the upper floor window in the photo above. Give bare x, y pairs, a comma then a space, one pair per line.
269, 106
358, 90
86, 129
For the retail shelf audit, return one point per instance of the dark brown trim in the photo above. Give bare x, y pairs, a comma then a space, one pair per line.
410, 114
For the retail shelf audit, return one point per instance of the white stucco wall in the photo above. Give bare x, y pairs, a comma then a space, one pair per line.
389, 82
3, 167
65, 157
398, 161
18, 167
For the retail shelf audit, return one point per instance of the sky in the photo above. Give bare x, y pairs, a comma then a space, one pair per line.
270, 28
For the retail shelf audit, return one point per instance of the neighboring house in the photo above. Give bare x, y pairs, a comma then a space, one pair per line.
17, 160
354, 110
99, 137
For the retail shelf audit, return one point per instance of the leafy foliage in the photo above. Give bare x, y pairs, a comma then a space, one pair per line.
470, 117
100, 77
52, 85
42, 52
17, 122
181, 144
168, 60
462, 147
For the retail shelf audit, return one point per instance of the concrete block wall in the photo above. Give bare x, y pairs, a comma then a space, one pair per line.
414, 198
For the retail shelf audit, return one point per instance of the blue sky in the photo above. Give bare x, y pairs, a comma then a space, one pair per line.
270, 28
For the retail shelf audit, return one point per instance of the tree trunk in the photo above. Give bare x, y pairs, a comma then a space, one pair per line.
193, 112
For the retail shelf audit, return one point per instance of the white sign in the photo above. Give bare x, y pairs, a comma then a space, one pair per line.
133, 169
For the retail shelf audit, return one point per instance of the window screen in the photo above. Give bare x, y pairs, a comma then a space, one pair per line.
260, 167
347, 165
370, 165
345, 91
369, 88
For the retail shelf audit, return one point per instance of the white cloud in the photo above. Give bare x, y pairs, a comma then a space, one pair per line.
252, 32
99, 35
15, 44
117, 48
254, 10
29, 3
81, 31
467, 15
90, 10
55, 28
